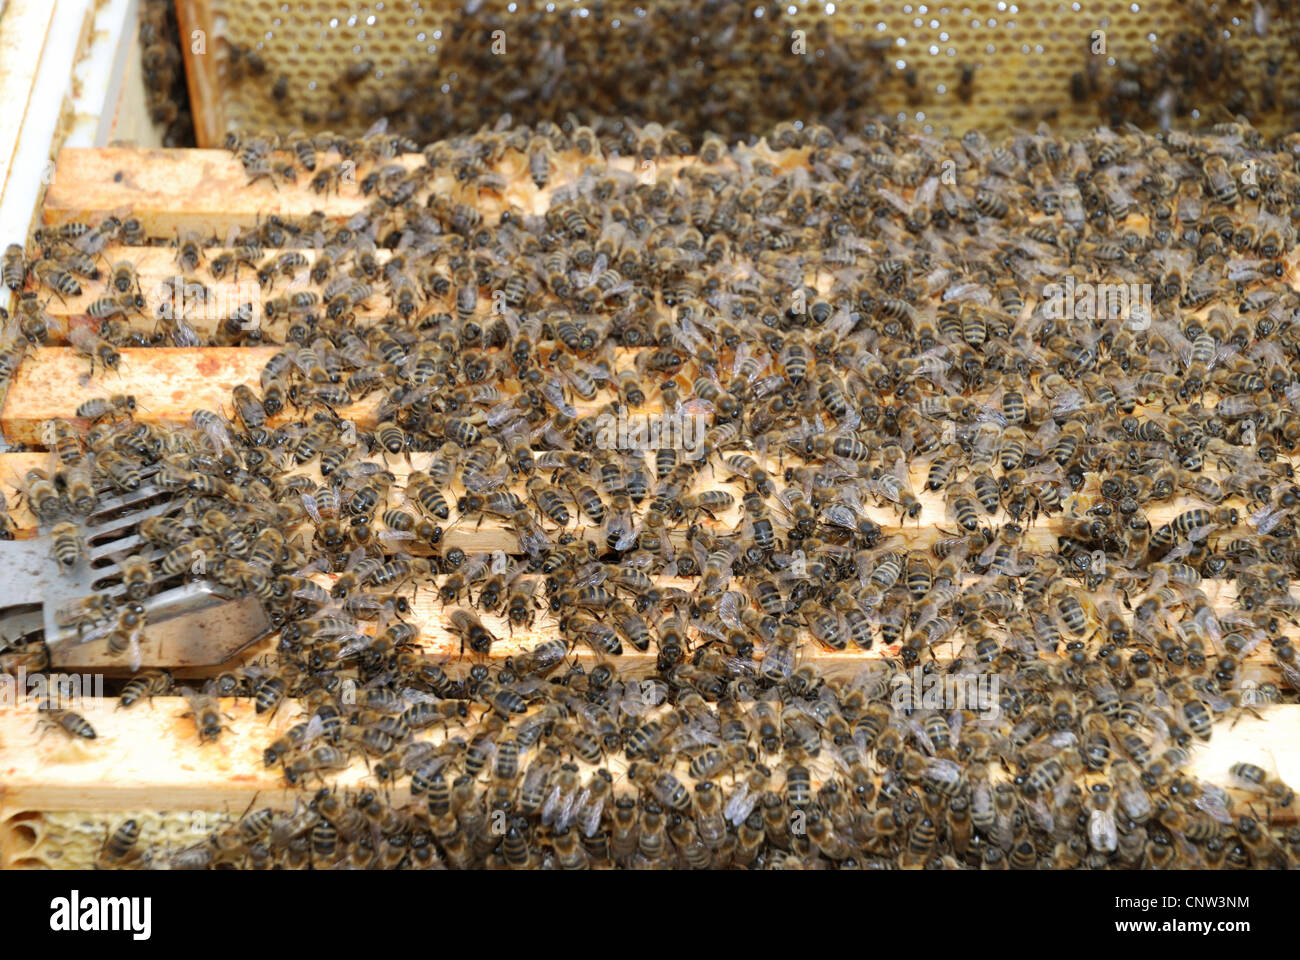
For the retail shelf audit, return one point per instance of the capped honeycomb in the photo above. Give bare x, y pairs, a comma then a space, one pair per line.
439, 68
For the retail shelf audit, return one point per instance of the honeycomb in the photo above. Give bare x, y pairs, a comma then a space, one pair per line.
72, 840
947, 66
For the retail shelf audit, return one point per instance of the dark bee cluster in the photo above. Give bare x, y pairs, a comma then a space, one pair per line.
712, 65
931, 428
163, 66
739, 69
1225, 61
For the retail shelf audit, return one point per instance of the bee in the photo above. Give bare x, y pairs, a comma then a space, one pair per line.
539, 161
990, 204
34, 323
206, 713
154, 683
101, 408
42, 496
137, 576
124, 278
13, 267
73, 724
303, 149
1250, 777
189, 252
321, 759
471, 630
67, 545
330, 178
125, 633
119, 846
1219, 181
90, 344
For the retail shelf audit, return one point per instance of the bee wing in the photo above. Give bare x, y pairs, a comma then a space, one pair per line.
413, 696
729, 607
84, 339
1049, 472
354, 558
1179, 552
1041, 813
840, 514
631, 701
566, 810
351, 644
987, 554
255, 672
505, 412
1045, 437
376, 129
315, 728
740, 804
594, 575
215, 426
551, 805
967, 291
313, 510
918, 729
554, 393
628, 538
99, 631
1266, 518
1068, 402
926, 193
1243, 270
709, 627
589, 820
695, 735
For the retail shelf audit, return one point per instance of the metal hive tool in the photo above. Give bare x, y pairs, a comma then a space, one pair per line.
190, 623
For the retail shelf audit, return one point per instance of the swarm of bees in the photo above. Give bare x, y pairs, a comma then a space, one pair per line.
913, 443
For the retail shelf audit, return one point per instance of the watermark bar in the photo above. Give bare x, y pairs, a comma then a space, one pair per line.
62, 691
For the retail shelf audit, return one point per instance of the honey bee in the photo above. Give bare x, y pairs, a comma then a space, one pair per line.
470, 630
206, 713
137, 576
119, 846
13, 267
154, 683
73, 724
67, 545
1219, 181
101, 408
319, 760
34, 323
1250, 777
90, 344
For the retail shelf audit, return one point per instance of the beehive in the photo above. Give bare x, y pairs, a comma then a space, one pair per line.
58, 813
